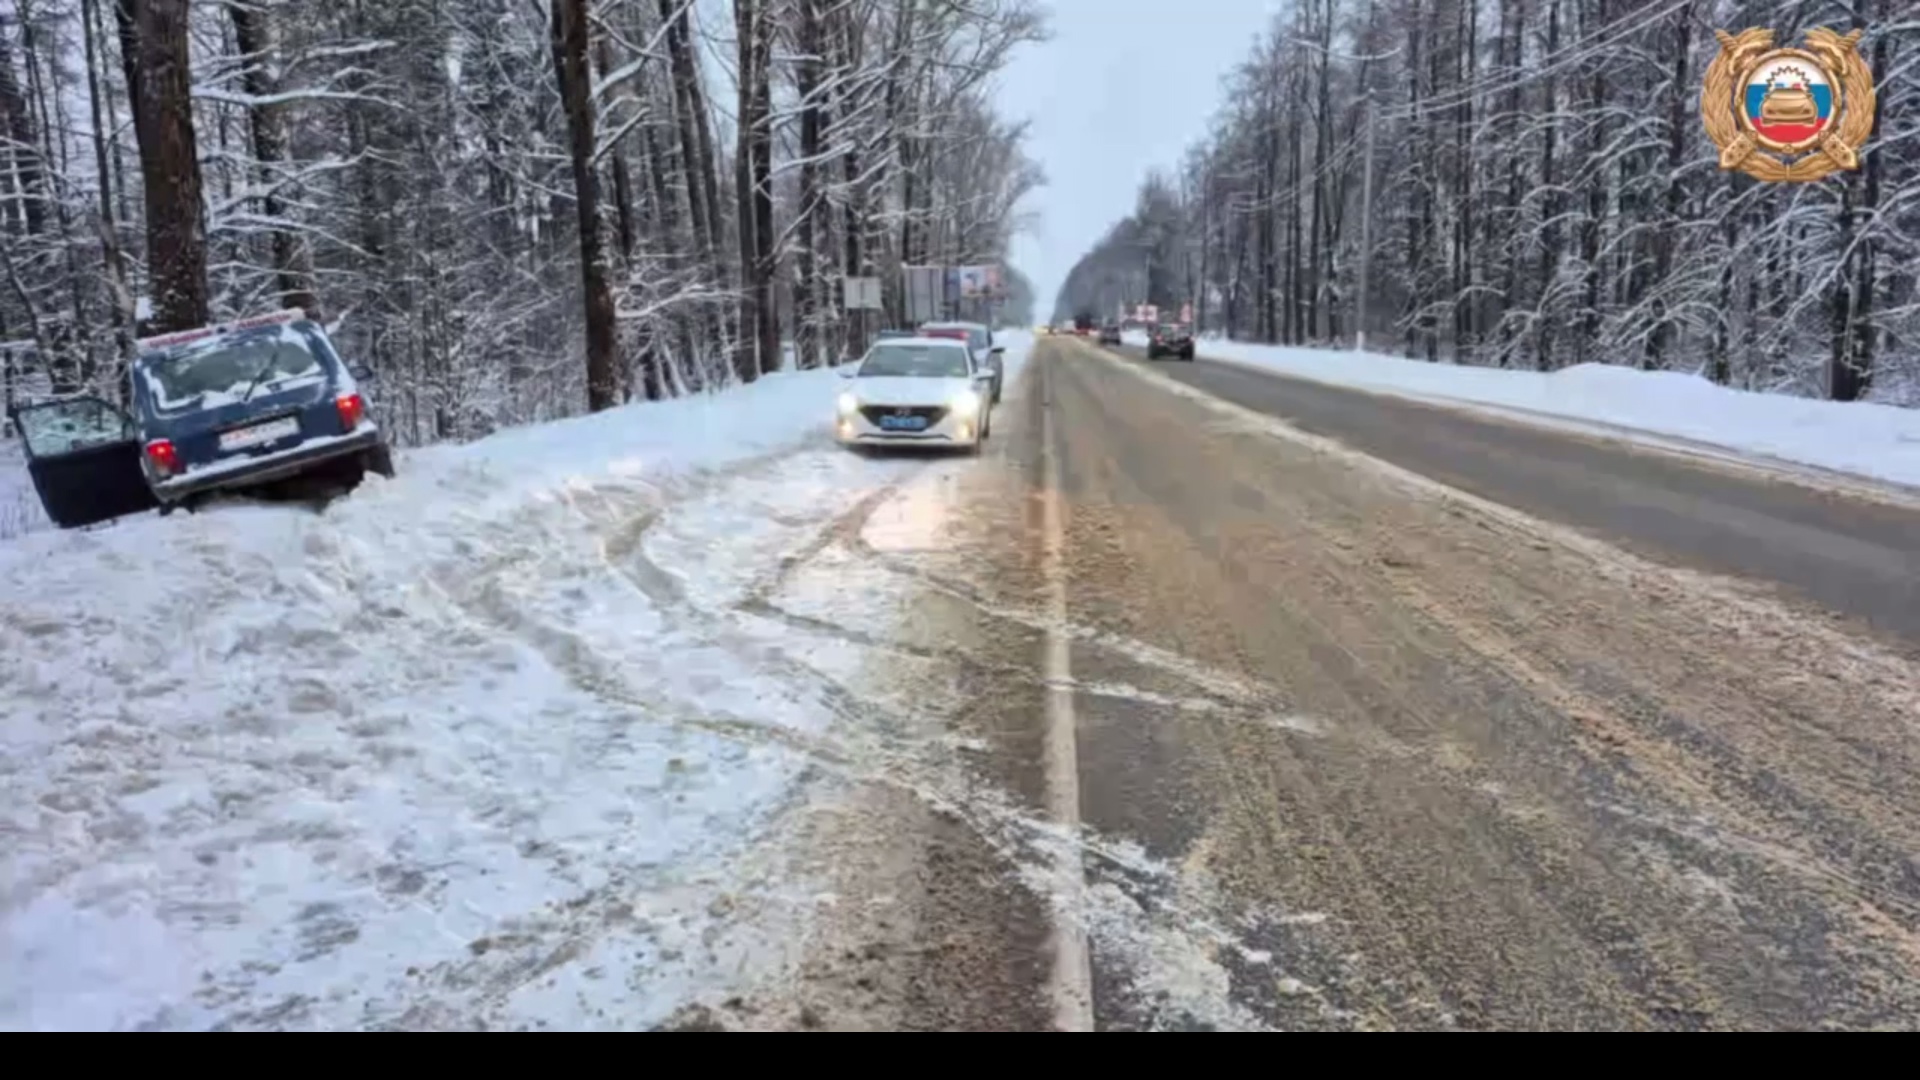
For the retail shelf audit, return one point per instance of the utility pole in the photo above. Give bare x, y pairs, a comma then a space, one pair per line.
1366, 233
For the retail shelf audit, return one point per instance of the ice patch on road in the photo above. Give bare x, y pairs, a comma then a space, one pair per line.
1298, 724
1151, 923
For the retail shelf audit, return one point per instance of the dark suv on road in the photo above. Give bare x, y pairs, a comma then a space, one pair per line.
258, 402
1170, 339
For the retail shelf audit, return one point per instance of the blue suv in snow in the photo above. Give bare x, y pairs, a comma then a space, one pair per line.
255, 403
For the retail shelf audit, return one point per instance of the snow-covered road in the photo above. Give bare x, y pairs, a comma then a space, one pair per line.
487, 744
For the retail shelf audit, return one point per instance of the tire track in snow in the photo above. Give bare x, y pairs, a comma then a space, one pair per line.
867, 743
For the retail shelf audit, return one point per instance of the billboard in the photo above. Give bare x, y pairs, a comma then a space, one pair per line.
979, 282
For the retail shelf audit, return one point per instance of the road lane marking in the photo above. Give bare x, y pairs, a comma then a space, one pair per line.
1070, 982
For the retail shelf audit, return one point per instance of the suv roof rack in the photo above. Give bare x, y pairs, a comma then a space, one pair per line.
181, 337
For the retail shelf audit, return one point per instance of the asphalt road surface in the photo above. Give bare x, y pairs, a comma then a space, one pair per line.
1852, 556
1390, 717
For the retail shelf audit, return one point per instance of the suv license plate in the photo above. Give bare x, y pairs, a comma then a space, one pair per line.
259, 433
903, 423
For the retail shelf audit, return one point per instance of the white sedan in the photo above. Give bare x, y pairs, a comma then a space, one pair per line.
922, 391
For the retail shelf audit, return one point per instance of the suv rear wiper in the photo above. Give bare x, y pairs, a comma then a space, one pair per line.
257, 377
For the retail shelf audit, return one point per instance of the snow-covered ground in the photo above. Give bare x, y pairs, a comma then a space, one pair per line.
1877, 441
20, 510
488, 743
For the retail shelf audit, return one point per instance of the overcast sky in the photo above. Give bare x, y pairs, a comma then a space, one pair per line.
1123, 85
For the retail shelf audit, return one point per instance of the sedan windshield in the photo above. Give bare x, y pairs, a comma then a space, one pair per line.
916, 361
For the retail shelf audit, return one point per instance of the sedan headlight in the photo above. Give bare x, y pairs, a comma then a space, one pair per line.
848, 403
966, 402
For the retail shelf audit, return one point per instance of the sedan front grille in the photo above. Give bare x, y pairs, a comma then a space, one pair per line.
932, 413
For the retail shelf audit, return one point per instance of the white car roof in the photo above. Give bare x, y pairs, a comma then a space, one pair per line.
954, 325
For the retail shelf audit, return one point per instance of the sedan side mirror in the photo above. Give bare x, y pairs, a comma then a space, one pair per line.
361, 373
847, 370
983, 376
996, 350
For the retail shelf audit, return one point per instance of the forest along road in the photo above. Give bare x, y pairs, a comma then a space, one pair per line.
1326, 743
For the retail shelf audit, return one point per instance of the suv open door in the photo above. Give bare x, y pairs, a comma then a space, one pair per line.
84, 456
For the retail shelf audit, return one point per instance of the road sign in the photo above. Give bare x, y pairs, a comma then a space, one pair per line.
925, 293
863, 294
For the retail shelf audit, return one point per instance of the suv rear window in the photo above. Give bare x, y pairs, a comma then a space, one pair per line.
219, 372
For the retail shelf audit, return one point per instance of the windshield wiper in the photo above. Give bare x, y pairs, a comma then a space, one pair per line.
257, 376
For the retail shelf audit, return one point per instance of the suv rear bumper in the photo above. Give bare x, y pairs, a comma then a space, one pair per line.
246, 472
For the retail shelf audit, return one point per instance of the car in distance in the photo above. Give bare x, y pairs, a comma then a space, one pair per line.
1170, 339
256, 403
1110, 334
922, 391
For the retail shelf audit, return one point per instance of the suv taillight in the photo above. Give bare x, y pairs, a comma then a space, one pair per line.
166, 460
353, 409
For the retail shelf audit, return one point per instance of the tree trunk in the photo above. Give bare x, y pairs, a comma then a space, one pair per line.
766, 313
21, 160
617, 162
170, 166
1850, 368
853, 220
1550, 242
746, 360
569, 26
1466, 326
1678, 124
690, 113
110, 250
292, 264
806, 321
696, 162
1295, 330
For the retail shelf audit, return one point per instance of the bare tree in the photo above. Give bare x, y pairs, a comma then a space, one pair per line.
569, 20
1542, 193
169, 164
513, 212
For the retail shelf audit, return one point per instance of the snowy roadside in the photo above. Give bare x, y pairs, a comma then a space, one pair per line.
20, 511
1881, 442
475, 746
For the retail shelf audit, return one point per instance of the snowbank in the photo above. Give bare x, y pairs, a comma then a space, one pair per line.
1879, 441
455, 751
20, 510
